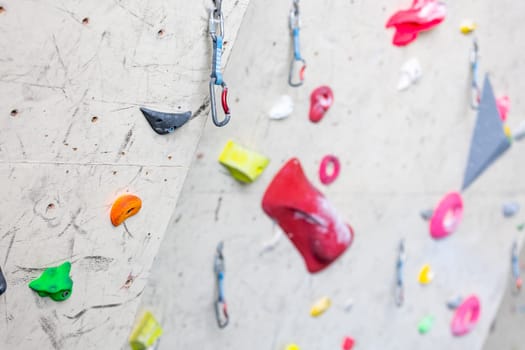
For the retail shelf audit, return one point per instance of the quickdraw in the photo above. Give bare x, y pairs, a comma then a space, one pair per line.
221, 308
476, 91
295, 28
216, 31
401, 257
516, 268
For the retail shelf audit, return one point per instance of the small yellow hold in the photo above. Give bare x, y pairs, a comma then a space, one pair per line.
467, 26
425, 274
320, 307
146, 332
292, 347
244, 165
507, 131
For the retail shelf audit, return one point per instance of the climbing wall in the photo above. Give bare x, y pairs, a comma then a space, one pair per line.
400, 153
72, 76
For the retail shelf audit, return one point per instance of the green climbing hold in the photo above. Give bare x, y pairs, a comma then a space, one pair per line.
54, 283
425, 325
520, 227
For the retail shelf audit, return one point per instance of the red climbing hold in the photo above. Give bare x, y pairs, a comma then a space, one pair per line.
348, 343
325, 177
310, 222
422, 15
321, 100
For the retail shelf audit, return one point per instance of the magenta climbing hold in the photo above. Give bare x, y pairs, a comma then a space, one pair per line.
326, 177
447, 216
422, 15
466, 316
321, 100
503, 104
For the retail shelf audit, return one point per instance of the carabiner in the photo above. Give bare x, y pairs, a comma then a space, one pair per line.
401, 257
224, 102
516, 268
221, 308
474, 60
295, 29
217, 20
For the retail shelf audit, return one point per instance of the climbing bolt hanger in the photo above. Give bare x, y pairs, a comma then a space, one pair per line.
476, 91
294, 27
221, 309
216, 30
401, 257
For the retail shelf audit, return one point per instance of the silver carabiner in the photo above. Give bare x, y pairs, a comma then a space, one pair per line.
224, 102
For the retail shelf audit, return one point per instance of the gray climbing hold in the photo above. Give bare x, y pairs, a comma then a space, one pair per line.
165, 123
510, 209
454, 302
489, 141
427, 214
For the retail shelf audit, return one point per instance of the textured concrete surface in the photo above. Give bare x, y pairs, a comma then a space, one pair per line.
506, 331
400, 153
76, 72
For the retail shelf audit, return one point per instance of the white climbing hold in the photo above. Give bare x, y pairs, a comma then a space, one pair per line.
272, 243
411, 72
282, 108
349, 303
510, 209
519, 133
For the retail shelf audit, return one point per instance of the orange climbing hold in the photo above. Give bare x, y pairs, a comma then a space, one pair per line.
124, 207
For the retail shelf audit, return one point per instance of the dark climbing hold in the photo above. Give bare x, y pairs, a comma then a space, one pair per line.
3, 283
165, 123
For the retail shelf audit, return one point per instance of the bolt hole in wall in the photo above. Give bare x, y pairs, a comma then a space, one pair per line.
2, 9
85, 21
161, 32
94, 119
14, 112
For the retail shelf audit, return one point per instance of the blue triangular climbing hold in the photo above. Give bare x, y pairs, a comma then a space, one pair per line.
489, 140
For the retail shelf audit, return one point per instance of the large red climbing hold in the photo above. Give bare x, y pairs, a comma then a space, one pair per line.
310, 222
422, 15
321, 100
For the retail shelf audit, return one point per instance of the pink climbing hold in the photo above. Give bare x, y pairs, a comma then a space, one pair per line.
324, 176
466, 316
503, 104
447, 216
422, 15
321, 100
